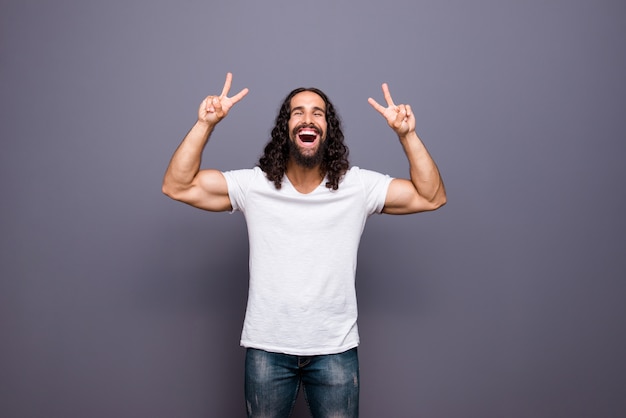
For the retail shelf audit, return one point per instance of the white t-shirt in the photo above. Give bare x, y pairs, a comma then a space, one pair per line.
303, 255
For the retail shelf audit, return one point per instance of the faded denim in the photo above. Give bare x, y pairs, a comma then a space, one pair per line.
330, 384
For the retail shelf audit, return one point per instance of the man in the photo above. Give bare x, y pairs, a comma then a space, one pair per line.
305, 209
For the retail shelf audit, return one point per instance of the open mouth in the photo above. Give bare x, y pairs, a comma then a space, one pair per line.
307, 135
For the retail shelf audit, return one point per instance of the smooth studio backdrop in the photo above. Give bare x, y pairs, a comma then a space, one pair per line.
508, 302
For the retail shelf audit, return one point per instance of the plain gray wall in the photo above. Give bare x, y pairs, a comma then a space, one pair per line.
508, 302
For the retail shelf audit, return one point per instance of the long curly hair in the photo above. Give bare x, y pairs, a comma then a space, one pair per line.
276, 154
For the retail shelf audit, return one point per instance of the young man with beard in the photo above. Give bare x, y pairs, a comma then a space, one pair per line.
305, 209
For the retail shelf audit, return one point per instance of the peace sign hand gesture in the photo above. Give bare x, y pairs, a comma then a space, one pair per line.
215, 108
399, 117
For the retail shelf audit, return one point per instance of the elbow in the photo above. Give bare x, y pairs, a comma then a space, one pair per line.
440, 198
173, 188
438, 201
441, 202
434, 205
169, 191
166, 189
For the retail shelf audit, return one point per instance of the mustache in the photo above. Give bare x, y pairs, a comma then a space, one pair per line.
306, 125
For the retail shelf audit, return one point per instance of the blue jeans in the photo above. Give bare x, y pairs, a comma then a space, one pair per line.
330, 383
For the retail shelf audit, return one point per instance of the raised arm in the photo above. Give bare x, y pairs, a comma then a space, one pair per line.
425, 190
183, 180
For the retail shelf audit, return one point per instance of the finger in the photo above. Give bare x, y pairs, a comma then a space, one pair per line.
227, 83
400, 116
239, 95
387, 95
208, 104
409, 112
217, 105
376, 105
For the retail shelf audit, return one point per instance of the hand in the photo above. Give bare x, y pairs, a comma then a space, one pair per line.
399, 117
215, 108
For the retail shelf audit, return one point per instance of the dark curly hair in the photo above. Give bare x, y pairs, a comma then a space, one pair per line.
334, 164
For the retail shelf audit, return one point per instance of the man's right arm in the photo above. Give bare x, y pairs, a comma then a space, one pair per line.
183, 180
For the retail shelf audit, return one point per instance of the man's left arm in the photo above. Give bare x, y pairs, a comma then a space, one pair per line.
425, 190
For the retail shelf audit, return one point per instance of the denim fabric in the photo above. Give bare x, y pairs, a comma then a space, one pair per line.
330, 383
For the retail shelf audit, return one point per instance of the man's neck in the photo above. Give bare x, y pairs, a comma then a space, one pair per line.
303, 179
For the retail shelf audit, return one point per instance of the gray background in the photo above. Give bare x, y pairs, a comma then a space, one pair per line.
508, 302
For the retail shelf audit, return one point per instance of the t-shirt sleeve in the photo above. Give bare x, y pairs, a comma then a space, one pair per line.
238, 183
376, 186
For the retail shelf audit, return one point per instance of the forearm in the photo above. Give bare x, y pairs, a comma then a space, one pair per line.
185, 162
424, 173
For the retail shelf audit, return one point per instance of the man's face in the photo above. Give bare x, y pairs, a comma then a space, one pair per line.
307, 128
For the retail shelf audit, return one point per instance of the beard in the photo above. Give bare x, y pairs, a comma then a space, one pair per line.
307, 160
302, 156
